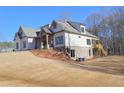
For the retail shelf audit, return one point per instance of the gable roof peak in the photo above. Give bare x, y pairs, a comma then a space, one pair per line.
29, 31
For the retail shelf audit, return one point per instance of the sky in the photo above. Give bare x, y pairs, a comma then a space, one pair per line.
11, 18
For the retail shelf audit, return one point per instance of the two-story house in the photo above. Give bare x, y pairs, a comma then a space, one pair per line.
61, 35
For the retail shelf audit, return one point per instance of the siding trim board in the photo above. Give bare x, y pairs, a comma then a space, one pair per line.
78, 34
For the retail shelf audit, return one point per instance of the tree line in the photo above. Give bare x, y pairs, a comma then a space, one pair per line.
109, 27
5, 44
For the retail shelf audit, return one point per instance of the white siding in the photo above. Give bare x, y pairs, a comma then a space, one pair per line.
20, 43
31, 43
76, 40
79, 44
73, 40
25, 39
17, 40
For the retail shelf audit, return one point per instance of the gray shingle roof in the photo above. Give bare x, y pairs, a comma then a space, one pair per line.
29, 32
69, 26
73, 27
76, 25
46, 29
65, 26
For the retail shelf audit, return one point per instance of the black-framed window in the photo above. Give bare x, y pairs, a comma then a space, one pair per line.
17, 45
59, 40
24, 44
88, 42
72, 53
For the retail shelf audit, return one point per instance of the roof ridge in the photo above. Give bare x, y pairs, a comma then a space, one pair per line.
25, 27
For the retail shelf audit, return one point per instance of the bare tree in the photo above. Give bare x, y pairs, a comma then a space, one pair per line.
93, 22
66, 15
110, 28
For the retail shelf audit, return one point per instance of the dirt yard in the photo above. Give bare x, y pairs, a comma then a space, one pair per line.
25, 69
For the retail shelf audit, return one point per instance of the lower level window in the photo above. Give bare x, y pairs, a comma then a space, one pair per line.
24, 44
89, 52
72, 53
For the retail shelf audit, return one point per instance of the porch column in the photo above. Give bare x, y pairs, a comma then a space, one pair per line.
41, 44
47, 45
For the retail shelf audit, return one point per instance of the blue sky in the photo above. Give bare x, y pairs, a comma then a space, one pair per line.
12, 17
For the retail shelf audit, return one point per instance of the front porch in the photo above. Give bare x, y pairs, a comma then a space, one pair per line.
45, 40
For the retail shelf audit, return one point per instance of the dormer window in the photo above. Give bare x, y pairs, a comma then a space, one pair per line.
82, 28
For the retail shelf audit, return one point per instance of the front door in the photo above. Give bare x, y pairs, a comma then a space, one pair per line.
37, 43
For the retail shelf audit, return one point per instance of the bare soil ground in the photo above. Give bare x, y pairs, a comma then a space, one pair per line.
50, 54
111, 64
25, 69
